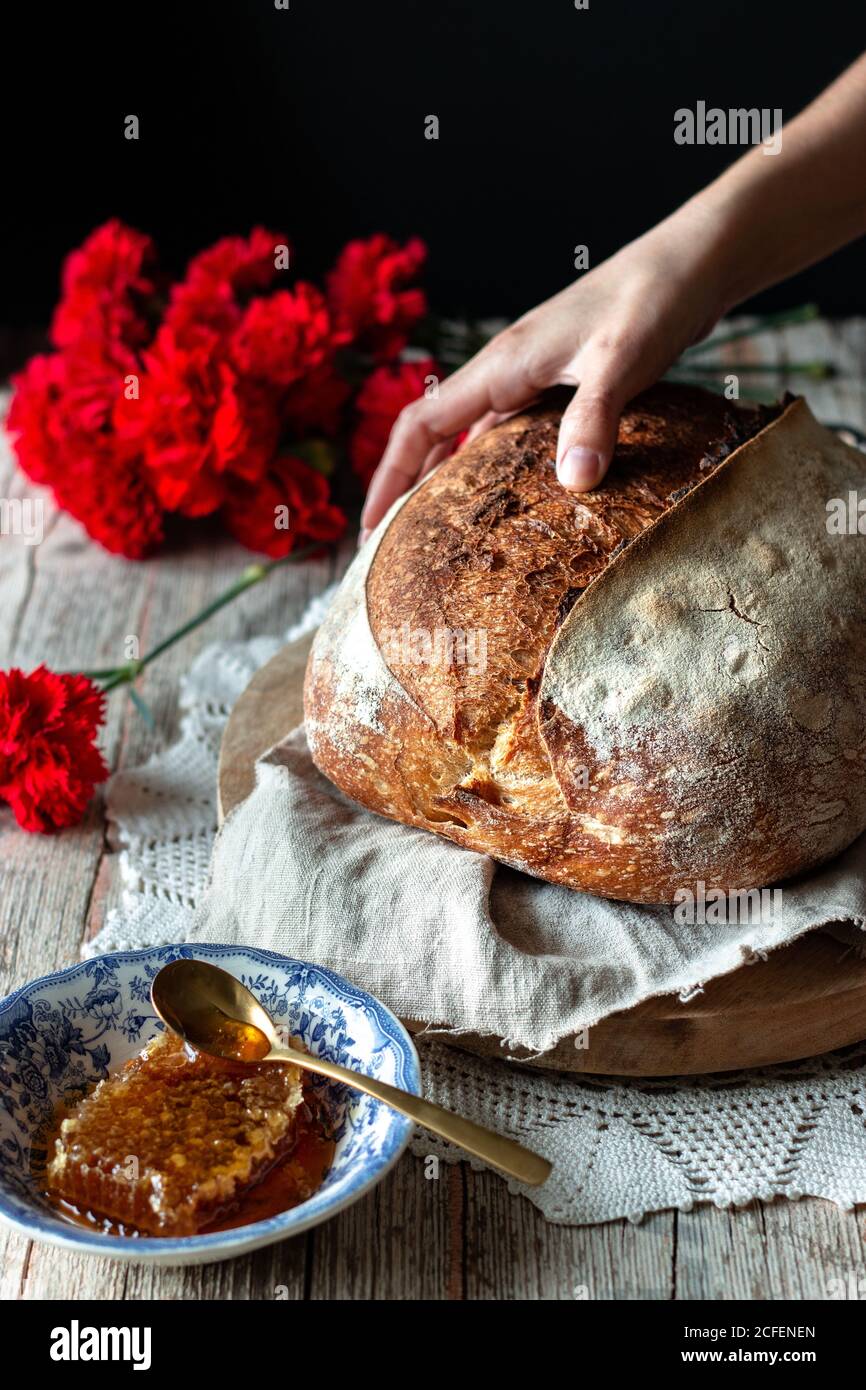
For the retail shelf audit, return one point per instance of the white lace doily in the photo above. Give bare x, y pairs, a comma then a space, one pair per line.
619, 1148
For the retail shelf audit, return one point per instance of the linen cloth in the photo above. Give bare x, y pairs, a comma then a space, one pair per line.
448, 938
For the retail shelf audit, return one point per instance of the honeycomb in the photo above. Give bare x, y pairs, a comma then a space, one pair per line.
175, 1139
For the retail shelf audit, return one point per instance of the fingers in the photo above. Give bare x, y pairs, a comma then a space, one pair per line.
494, 380
502, 378
434, 459
588, 430
418, 429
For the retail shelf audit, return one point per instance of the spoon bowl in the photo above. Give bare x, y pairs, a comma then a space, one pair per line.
212, 1011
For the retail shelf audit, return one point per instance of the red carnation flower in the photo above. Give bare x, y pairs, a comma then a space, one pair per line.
367, 294
282, 338
384, 394
34, 416
315, 403
106, 286
232, 373
196, 422
289, 507
287, 341
244, 263
49, 762
108, 494
218, 283
60, 419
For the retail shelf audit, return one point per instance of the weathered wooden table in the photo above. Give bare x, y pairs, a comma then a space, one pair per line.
462, 1237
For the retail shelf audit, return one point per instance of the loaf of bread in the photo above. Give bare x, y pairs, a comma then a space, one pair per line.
631, 691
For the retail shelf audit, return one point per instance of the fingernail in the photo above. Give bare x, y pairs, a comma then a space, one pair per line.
578, 468
362, 536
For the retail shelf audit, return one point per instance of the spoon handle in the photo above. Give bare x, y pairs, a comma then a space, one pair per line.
507, 1154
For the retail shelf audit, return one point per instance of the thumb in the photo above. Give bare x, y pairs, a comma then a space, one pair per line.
587, 432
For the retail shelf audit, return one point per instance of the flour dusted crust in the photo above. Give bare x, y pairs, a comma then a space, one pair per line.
674, 680
715, 681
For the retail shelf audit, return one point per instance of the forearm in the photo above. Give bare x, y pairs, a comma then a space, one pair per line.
769, 216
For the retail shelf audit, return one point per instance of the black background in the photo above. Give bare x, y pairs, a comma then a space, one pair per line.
556, 128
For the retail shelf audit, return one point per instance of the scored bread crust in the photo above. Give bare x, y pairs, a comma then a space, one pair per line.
505, 755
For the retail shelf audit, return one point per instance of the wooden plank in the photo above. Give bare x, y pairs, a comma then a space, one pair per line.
512, 1253
780, 1250
403, 1241
32, 1271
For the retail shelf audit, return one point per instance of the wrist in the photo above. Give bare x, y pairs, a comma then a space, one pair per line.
717, 252
690, 252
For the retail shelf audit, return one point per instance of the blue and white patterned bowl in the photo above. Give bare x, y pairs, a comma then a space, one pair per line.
72, 1028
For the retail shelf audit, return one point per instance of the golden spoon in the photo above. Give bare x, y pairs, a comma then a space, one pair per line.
215, 1013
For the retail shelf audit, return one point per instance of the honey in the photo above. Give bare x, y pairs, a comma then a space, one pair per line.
178, 1143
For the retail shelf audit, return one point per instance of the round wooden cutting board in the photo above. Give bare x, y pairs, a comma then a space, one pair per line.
804, 999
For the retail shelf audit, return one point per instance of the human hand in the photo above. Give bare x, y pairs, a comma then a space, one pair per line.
618, 328
610, 334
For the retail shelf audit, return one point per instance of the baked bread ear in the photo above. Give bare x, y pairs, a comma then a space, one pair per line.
631, 691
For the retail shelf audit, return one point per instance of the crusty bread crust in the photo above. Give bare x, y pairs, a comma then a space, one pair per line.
498, 755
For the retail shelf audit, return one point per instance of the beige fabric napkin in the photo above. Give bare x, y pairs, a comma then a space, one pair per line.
445, 936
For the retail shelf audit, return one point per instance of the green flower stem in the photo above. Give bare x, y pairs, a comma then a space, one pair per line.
114, 676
